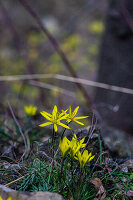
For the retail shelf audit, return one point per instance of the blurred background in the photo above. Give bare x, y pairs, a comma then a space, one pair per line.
96, 37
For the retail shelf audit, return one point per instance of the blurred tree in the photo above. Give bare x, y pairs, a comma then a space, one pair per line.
116, 65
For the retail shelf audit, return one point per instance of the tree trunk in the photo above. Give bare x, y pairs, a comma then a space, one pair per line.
116, 65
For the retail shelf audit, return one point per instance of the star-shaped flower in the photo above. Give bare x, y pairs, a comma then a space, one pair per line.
54, 118
72, 116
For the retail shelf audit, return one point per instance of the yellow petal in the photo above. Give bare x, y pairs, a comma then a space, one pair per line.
46, 113
9, 198
89, 155
63, 113
63, 117
55, 127
82, 117
91, 158
78, 122
65, 126
45, 124
54, 113
46, 116
81, 141
1, 198
75, 111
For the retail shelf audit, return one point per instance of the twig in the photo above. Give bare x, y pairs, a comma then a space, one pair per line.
15, 35
69, 79
19, 127
57, 49
18, 179
91, 130
52, 87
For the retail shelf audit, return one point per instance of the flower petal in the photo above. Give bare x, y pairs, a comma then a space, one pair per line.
63, 113
82, 117
47, 113
91, 158
55, 127
63, 117
9, 198
75, 111
46, 116
78, 122
45, 124
54, 113
65, 126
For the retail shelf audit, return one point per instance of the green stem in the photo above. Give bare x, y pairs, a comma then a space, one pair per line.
79, 183
62, 165
100, 147
64, 130
72, 174
53, 138
51, 164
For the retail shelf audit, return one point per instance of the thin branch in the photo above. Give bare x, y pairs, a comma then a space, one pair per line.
19, 127
25, 77
67, 78
95, 84
52, 87
57, 49
17, 40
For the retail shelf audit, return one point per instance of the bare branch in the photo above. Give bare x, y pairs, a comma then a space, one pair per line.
67, 78
19, 127
52, 87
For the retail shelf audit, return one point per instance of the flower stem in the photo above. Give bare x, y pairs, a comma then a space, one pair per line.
64, 131
62, 165
80, 182
72, 174
53, 138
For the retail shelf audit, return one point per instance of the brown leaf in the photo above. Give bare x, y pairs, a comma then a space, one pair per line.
101, 192
129, 193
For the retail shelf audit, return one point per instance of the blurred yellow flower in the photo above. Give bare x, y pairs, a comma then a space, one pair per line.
9, 198
84, 157
30, 110
96, 27
54, 118
64, 146
72, 116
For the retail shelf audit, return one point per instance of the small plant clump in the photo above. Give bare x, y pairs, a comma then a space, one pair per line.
69, 167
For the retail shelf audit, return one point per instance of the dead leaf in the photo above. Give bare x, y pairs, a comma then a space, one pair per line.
101, 192
129, 193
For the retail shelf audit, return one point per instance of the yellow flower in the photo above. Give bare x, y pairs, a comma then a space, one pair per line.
64, 146
72, 116
30, 110
75, 146
54, 118
84, 158
9, 198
